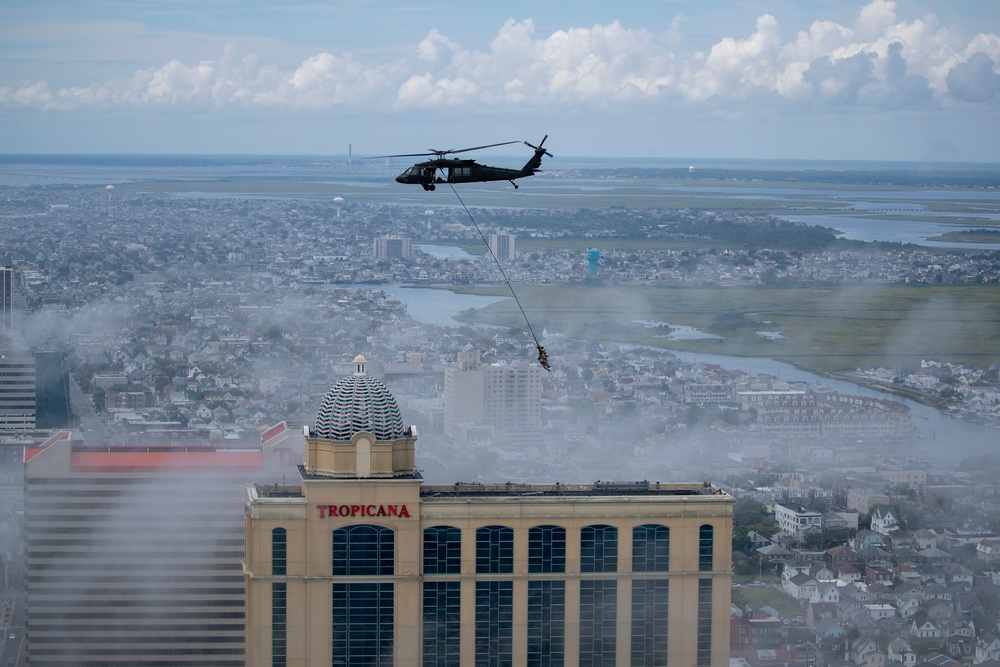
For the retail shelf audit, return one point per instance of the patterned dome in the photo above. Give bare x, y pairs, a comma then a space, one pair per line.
357, 403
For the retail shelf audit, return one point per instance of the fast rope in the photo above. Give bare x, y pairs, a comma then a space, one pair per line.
543, 357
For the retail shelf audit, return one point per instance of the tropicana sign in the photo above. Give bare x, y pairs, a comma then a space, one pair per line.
363, 510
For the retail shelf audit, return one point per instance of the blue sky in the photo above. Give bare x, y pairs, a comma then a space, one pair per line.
913, 80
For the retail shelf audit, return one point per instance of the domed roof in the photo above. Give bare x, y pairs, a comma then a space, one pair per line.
357, 403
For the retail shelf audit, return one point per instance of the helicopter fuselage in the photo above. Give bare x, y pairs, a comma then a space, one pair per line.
457, 170
448, 170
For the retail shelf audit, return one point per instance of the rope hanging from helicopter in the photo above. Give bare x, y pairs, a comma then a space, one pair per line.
543, 357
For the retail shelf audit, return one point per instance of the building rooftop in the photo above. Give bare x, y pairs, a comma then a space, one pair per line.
479, 490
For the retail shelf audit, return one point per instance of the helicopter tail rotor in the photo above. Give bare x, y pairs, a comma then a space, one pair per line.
538, 148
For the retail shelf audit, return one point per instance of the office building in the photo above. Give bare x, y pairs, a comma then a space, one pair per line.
6, 301
17, 392
34, 391
134, 554
502, 246
503, 399
360, 563
52, 408
391, 248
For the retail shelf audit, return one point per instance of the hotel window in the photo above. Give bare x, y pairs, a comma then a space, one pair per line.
650, 607
598, 549
546, 599
546, 549
362, 613
279, 551
494, 623
650, 548
363, 550
650, 553
706, 547
704, 639
494, 550
598, 621
442, 550
279, 625
442, 623
546, 623
362, 627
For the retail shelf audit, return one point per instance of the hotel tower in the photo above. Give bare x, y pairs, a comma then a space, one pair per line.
361, 563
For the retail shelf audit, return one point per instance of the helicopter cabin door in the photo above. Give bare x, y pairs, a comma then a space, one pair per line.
459, 174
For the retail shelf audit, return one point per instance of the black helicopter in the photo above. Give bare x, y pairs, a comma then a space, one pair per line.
458, 170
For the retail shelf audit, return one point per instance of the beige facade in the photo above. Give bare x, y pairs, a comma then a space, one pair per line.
360, 563
304, 513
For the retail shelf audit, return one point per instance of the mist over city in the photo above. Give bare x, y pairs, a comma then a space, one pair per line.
561, 334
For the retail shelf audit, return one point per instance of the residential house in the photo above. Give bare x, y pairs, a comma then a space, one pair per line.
939, 611
830, 629
880, 611
926, 538
925, 630
884, 521
987, 648
878, 571
864, 652
803, 588
900, 652
796, 519
988, 550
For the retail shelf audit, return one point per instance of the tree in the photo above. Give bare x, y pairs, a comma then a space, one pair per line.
750, 515
827, 539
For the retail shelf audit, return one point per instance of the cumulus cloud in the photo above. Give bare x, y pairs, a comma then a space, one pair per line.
975, 80
879, 60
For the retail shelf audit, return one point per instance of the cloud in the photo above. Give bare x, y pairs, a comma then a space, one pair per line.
975, 80
880, 60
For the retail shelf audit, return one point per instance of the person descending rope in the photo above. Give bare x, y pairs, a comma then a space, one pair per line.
543, 357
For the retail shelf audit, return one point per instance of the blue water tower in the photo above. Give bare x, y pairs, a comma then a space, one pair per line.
593, 257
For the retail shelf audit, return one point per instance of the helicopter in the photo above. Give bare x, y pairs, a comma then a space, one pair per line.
459, 170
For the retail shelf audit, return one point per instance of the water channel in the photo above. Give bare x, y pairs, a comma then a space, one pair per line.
946, 437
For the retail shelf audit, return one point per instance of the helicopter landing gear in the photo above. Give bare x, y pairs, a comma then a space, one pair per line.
428, 187
514, 184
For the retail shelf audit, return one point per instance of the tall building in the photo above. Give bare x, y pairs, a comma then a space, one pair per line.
134, 554
391, 248
52, 407
502, 246
6, 300
360, 563
34, 391
17, 392
505, 398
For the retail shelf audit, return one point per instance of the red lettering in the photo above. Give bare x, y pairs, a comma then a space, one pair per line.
326, 511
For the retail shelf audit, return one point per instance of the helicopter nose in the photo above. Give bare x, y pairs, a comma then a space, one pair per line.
399, 179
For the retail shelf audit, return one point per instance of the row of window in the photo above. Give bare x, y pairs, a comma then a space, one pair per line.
363, 612
367, 550
362, 623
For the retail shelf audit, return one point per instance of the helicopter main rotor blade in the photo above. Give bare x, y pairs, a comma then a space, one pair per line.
376, 157
466, 150
440, 154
